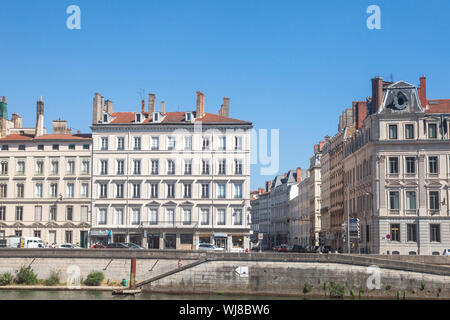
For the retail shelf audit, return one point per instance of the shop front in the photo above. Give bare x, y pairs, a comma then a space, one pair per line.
204, 238
100, 236
238, 242
220, 240
153, 240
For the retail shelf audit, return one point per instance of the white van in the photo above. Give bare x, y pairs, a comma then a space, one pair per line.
31, 242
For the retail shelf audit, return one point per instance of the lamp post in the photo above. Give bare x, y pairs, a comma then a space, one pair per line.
365, 215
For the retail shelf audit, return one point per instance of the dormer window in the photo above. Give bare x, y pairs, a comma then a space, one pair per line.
157, 117
139, 118
189, 116
105, 118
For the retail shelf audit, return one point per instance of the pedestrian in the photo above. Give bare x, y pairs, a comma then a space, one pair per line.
179, 263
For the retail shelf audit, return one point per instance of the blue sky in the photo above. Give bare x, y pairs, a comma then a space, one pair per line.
288, 65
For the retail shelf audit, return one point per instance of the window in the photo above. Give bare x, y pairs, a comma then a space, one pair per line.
20, 187
220, 217
39, 167
409, 131
433, 165
84, 213
71, 147
155, 143
120, 167
187, 216
69, 213
37, 213
135, 216
237, 143
3, 190
170, 143
222, 166
237, 217
170, 167
171, 190
103, 190
136, 190
137, 143
19, 213
18, 233
136, 166
187, 188
104, 143
410, 165
187, 166
120, 143
435, 232
40, 147
119, 190
54, 167
71, 167
205, 143
410, 200
85, 146
237, 190
394, 200
395, 232
4, 168
53, 213
188, 143
85, 190
21, 147
118, 216
432, 131
38, 190
55, 147
434, 200
411, 229
153, 216
393, 165
70, 190
204, 216
155, 167
170, 216
221, 194
205, 166
37, 233
237, 166
5, 147
393, 131
85, 167
68, 236
205, 190
186, 238
222, 142
154, 190
104, 167
102, 216
3, 213
20, 167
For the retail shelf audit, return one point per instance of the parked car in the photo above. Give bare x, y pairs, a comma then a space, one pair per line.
132, 245
208, 247
26, 242
116, 245
98, 246
325, 249
68, 246
446, 252
283, 248
275, 248
298, 248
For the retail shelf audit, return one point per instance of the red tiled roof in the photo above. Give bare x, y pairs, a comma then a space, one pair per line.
174, 117
438, 106
27, 137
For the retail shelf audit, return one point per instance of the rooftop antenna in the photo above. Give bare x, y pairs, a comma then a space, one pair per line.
142, 94
392, 77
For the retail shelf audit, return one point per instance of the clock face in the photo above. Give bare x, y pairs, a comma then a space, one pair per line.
400, 101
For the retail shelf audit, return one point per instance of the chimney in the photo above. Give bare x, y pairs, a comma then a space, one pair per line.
359, 113
163, 104
422, 90
225, 108
60, 127
3, 108
98, 108
151, 103
321, 143
377, 94
316, 148
268, 185
200, 108
299, 174
40, 118
143, 106
109, 106
17, 120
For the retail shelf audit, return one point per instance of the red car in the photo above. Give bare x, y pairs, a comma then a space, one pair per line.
98, 246
283, 248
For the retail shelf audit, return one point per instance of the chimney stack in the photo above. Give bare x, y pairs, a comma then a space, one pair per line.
377, 94
3, 108
268, 185
40, 118
98, 108
151, 103
143, 106
359, 113
200, 108
299, 174
163, 104
17, 120
60, 127
422, 90
225, 108
109, 106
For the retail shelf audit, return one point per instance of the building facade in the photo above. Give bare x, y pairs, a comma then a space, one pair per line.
397, 168
44, 180
314, 196
170, 180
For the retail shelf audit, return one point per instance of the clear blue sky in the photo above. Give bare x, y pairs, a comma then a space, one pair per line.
288, 65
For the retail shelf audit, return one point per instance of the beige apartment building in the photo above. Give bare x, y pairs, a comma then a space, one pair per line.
397, 169
44, 180
170, 180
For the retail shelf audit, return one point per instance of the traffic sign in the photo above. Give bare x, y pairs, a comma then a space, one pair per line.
388, 236
260, 236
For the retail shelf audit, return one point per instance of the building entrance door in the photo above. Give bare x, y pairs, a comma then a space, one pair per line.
83, 239
153, 241
221, 242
